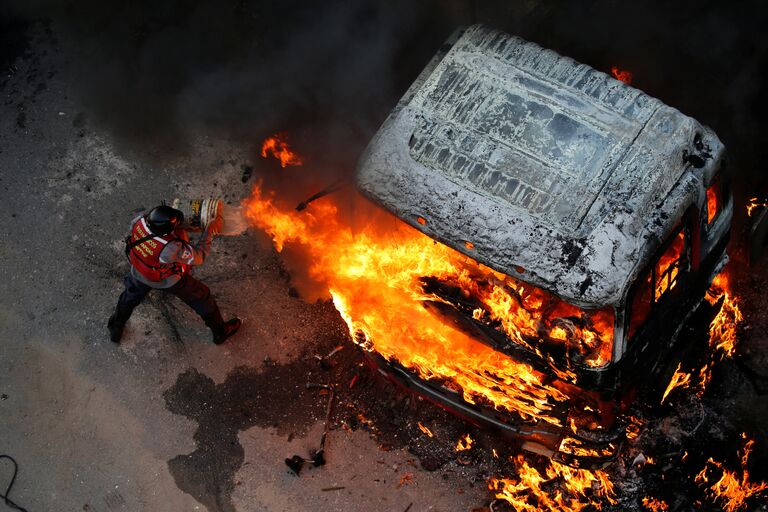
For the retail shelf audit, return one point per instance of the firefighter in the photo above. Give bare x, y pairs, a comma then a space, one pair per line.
161, 257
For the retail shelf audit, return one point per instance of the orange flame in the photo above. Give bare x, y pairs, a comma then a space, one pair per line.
559, 488
376, 280
277, 146
622, 75
465, 443
733, 489
722, 329
679, 379
667, 269
722, 337
425, 430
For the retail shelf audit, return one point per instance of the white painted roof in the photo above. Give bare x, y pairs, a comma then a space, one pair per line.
541, 162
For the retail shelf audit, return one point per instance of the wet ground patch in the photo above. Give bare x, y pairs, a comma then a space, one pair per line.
273, 396
277, 396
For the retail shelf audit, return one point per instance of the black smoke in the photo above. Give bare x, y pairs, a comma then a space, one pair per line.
327, 71
330, 71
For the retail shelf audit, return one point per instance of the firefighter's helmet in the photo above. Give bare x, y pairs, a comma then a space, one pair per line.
163, 219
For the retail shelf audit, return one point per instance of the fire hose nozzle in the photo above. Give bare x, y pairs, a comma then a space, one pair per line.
202, 213
199, 213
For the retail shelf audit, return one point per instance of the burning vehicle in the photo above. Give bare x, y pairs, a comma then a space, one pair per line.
591, 218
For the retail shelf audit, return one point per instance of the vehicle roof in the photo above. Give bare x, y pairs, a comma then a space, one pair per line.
545, 165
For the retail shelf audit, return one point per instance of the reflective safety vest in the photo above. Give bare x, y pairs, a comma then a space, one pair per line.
145, 257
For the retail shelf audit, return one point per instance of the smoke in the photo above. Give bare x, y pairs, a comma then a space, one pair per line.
151, 72
328, 72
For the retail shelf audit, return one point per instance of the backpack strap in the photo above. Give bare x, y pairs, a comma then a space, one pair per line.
130, 244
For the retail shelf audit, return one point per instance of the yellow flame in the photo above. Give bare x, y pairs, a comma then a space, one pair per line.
722, 329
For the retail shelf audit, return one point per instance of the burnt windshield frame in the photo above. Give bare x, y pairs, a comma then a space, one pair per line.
542, 344
650, 269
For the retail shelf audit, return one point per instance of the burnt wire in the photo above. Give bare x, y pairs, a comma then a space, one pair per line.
8, 501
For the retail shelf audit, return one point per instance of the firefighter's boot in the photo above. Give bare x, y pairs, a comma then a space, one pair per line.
229, 328
115, 326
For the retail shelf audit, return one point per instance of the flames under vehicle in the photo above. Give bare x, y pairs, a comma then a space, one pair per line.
601, 213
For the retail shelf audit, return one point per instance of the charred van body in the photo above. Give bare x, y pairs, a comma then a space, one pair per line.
607, 206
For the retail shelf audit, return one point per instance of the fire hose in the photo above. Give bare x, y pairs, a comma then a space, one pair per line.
6, 497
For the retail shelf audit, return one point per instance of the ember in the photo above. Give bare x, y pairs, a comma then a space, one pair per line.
634, 427
713, 201
622, 75
277, 146
754, 203
655, 505
406, 479
732, 490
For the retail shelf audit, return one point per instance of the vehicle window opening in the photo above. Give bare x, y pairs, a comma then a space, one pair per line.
670, 265
527, 315
654, 284
714, 199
